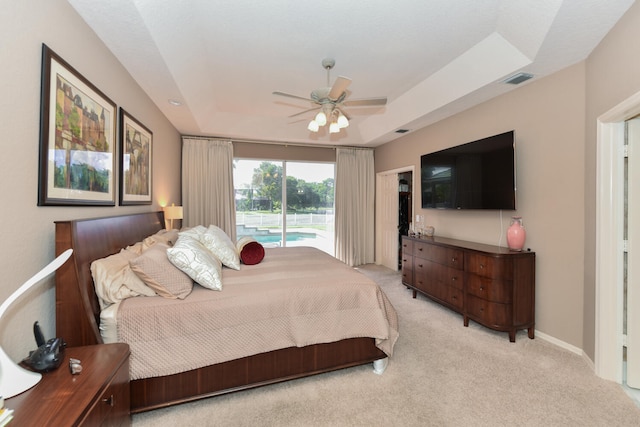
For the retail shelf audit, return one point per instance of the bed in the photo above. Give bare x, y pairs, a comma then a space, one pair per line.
78, 319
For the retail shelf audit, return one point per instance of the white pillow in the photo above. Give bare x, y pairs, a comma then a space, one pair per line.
195, 232
190, 256
217, 242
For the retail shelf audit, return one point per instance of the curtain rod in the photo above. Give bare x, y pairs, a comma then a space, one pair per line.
294, 144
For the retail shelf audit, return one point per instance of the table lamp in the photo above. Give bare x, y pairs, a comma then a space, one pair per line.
14, 379
172, 212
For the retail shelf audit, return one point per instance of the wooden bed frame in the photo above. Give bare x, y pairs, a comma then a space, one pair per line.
78, 317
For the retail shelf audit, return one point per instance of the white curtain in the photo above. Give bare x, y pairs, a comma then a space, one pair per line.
354, 200
207, 184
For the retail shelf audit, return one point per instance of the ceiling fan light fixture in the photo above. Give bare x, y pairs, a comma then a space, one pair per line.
313, 126
343, 122
321, 118
329, 100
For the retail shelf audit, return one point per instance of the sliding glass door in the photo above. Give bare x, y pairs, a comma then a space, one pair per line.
285, 203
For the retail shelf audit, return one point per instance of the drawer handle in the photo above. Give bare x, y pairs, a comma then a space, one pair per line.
109, 401
454, 259
420, 265
481, 266
481, 288
420, 249
454, 278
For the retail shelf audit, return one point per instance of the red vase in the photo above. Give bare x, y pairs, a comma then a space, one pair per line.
516, 234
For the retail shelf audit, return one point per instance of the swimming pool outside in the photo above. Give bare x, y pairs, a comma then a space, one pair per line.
299, 237
293, 236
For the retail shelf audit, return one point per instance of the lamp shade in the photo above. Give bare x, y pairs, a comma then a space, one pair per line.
173, 212
321, 118
343, 122
313, 126
334, 128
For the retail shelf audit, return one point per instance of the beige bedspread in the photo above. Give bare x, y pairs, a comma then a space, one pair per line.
294, 297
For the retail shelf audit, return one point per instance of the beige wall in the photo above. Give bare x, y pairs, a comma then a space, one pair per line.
28, 236
613, 75
548, 118
283, 152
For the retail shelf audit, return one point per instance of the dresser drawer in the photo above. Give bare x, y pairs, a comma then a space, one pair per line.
436, 289
441, 255
427, 270
446, 275
422, 273
491, 314
112, 407
456, 298
454, 277
488, 266
407, 246
489, 289
407, 269
422, 250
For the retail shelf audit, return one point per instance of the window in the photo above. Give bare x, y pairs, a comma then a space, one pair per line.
285, 203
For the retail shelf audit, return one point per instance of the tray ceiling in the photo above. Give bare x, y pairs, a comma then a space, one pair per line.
432, 58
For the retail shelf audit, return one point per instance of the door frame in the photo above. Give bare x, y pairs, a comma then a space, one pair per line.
609, 238
379, 196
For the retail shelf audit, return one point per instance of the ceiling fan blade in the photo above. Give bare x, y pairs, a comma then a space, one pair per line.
339, 86
298, 121
365, 102
305, 111
345, 114
293, 96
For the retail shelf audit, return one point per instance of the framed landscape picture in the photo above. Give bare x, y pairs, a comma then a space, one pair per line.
136, 145
77, 138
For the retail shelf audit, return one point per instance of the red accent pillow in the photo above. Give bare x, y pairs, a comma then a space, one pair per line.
251, 251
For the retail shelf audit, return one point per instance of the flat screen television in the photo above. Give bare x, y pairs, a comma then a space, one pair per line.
475, 175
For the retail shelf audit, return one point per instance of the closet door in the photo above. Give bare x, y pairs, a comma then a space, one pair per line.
633, 255
387, 211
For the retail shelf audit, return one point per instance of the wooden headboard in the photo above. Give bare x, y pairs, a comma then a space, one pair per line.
77, 307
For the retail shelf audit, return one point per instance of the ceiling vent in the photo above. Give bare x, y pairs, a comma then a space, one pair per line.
402, 131
516, 79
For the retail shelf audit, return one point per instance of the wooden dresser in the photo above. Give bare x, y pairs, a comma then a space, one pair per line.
98, 396
488, 284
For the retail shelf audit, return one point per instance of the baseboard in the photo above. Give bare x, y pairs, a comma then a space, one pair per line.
572, 348
559, 343
590, 362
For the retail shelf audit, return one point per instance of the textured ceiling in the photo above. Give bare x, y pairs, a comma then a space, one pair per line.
222, 59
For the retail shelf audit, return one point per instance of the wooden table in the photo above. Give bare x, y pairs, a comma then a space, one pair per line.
99, 395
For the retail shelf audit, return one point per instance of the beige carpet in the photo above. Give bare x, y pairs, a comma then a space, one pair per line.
442, 374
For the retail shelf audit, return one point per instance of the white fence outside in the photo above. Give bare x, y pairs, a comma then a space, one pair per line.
252, 219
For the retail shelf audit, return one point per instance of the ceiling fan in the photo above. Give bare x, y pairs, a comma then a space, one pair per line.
330, 100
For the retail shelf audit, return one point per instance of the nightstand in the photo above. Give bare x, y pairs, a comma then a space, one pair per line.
99, 395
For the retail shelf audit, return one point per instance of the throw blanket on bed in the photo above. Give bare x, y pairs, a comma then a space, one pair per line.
294, 297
